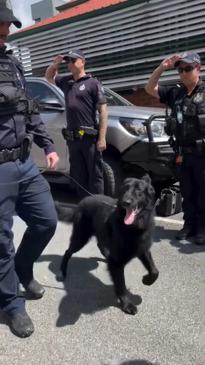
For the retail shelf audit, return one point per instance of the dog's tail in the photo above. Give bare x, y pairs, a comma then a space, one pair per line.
65, 212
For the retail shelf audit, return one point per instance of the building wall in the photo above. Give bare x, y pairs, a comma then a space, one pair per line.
123, 44
140, 97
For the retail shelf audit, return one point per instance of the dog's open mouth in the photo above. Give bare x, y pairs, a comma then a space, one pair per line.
130, 215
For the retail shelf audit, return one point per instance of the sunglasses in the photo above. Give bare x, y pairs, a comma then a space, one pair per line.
187, 68
70, 60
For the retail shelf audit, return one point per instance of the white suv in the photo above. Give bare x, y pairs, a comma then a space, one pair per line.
136, 141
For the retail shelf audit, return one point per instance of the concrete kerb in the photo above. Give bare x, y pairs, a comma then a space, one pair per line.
167, 220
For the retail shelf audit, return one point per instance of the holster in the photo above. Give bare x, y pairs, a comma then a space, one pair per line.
201, 122
25, 148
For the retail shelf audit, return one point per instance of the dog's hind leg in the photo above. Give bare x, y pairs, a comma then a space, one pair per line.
81, 233
117, 274
149, 264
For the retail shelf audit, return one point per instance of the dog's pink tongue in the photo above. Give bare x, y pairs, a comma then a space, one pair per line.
130, 216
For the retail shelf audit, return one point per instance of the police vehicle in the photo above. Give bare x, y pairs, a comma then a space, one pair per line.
136, 141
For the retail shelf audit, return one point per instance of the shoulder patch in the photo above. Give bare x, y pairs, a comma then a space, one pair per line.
199, 97
82, 87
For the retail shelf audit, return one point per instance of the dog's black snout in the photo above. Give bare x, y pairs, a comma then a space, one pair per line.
126, 203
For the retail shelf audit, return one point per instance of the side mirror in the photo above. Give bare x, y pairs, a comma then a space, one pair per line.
51, 104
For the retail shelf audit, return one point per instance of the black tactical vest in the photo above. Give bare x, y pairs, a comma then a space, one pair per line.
190, 116
12, 88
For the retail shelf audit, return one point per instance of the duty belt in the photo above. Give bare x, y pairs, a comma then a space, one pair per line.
22, 152
12, 154
79, 133
198, 148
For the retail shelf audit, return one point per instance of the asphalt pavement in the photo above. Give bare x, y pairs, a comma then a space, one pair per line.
79, 322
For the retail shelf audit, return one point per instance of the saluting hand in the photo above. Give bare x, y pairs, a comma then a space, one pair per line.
52, 160
169, 62
58, 60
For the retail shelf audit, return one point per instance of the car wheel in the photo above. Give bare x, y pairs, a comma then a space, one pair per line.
113, 176
109, 179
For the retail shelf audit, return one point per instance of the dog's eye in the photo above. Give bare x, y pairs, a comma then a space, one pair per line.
140, 186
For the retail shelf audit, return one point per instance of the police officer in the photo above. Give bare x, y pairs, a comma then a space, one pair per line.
84, 95
22, 187
187, 130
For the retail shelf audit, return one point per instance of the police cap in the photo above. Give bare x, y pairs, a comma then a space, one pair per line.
6, 14
75, 53
189, 57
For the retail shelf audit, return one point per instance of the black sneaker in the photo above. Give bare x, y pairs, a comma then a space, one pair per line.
21, 324
184, 233
34, 290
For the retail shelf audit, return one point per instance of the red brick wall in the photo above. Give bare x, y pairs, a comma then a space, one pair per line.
141, 98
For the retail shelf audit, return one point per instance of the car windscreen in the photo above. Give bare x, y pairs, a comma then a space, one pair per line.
40, 92
113, 99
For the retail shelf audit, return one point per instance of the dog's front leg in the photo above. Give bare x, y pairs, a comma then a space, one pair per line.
117, 274
149, 264
63, 268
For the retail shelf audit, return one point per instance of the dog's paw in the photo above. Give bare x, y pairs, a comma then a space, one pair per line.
149, 279
129, 308
60, 276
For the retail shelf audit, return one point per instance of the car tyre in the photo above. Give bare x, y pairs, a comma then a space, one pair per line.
109, 179
115, 170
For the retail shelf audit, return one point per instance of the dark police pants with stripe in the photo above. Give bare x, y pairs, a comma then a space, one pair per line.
86, 165
192, 183
32, 201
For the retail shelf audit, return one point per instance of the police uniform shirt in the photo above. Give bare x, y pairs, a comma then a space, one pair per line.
81, 97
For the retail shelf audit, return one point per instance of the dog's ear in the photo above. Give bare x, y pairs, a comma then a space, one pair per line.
150, 196
146, 178
150, 190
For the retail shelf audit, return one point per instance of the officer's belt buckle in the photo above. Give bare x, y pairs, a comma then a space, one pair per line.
81, 132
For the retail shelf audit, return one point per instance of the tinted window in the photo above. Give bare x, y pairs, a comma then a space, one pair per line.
114, 99
40, 92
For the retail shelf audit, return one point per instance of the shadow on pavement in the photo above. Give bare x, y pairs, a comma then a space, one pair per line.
85, 293
136, 362
185, 246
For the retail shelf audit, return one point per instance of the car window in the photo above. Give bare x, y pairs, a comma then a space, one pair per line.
114, 99
41, 92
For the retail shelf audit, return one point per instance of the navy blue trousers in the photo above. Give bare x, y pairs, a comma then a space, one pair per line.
32, 201
86, 166
192, 181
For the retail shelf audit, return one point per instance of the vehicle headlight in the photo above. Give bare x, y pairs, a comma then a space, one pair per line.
157, 127
134, 126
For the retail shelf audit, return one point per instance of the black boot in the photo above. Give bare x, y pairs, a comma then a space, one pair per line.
200, 239
20, 324
186, 232
34, 290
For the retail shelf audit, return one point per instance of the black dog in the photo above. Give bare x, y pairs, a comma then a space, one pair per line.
123, 229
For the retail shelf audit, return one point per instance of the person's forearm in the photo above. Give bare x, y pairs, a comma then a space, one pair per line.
37, 128
103, 122
152, 85
51, 72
